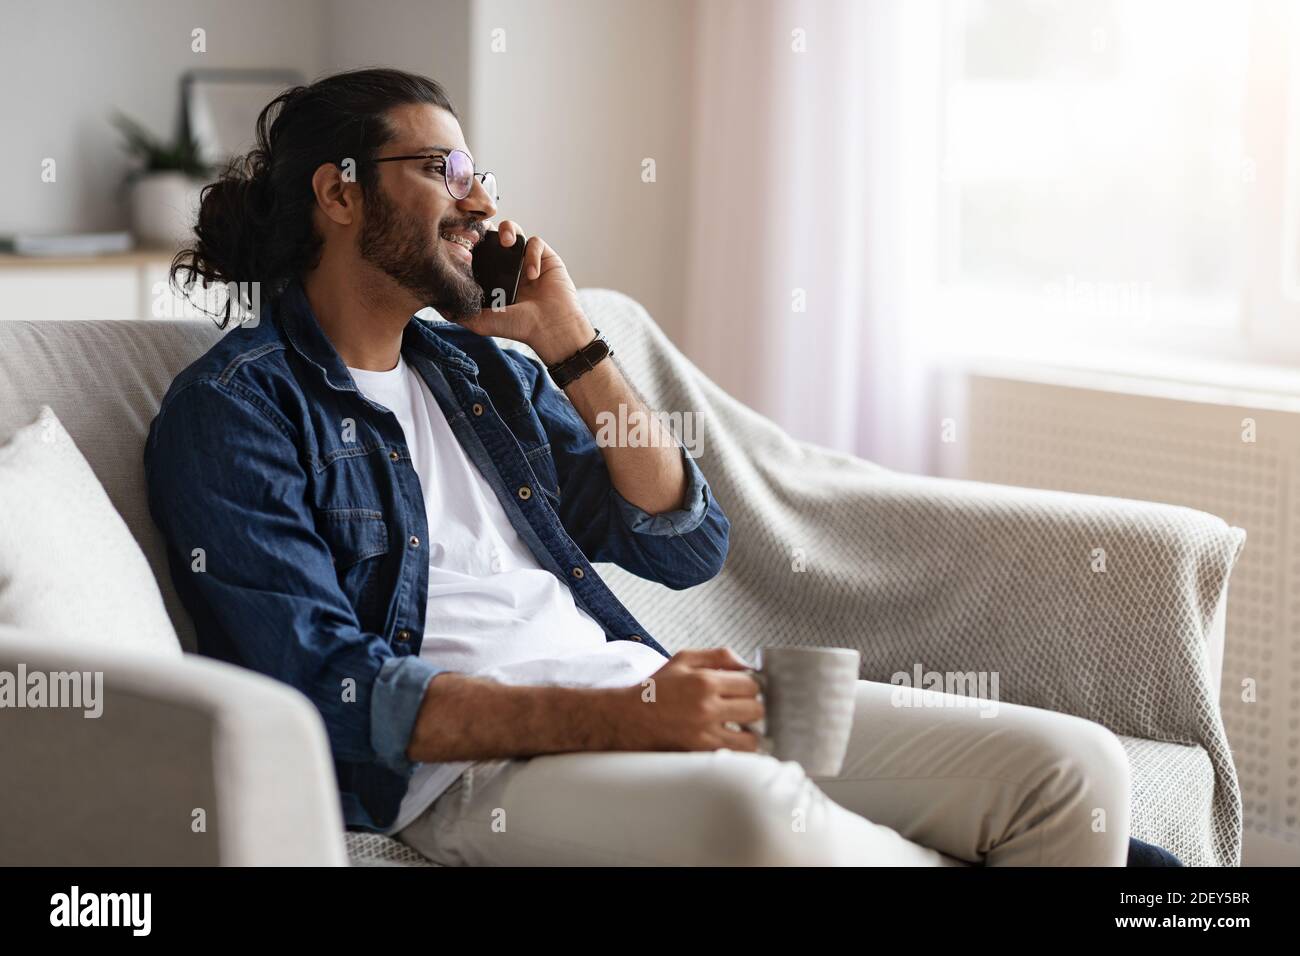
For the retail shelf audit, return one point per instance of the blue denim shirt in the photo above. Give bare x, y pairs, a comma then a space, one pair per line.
297, 536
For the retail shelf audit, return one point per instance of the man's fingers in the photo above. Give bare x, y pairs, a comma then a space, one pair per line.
737, 684
533, 256
743, 710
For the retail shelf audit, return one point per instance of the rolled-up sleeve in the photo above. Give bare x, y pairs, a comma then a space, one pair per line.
395, 701
683, 520
228, 490
679, 548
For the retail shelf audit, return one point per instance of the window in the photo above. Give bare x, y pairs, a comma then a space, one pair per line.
1114, 171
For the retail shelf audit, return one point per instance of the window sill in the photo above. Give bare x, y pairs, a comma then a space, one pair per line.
1121, 368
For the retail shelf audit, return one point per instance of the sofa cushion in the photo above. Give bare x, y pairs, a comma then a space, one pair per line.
69, 568
104, 379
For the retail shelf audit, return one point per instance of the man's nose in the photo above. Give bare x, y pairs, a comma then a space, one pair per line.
478, 201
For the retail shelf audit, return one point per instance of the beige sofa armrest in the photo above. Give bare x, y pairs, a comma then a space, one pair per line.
190, 762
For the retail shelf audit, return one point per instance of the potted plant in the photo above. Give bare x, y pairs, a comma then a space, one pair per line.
164, 188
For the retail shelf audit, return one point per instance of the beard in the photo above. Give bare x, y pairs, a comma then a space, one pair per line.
398, 245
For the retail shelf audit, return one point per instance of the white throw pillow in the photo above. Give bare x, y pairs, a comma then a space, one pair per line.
69, 567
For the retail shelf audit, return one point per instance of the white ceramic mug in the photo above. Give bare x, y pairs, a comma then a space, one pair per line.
808, 697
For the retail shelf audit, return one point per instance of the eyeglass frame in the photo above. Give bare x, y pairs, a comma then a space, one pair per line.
444, 155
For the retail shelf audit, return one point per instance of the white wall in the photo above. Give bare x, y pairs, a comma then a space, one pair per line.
583, 92
429, 37
66, 66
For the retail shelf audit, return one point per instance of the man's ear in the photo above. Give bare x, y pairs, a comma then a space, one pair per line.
337, 198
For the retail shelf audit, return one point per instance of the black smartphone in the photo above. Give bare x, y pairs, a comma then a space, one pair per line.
497, 268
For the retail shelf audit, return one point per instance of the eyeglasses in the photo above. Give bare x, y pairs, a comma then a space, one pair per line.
457, 172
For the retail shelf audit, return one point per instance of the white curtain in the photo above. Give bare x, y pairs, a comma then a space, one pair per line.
796, 180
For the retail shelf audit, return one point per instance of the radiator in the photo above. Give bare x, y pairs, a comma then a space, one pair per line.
1170, 443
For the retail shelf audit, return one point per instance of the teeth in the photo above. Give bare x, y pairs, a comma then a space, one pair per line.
463, 241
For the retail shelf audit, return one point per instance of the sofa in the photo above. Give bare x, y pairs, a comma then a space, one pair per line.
916, 573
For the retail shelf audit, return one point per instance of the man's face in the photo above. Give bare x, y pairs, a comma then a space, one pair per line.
405, 220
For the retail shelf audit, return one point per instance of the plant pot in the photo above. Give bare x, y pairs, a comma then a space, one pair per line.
164, 208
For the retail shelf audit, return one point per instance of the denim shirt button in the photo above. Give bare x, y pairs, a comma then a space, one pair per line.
403, 635
525, 492
578, 572
393, 456
477, 408
634, 637
414, 542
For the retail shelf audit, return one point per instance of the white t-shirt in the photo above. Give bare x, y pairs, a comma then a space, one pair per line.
493, 611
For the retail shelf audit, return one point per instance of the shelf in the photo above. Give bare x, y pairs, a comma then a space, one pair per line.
141, 256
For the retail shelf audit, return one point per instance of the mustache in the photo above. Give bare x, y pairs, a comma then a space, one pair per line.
476, 227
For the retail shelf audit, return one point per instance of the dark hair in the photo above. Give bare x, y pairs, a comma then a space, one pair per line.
255, 221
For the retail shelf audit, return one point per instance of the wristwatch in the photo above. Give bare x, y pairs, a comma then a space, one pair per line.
581, 361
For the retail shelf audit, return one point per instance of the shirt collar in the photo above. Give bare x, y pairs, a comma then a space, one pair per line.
308, 339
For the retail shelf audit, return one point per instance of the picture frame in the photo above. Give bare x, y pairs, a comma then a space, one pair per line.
219, 107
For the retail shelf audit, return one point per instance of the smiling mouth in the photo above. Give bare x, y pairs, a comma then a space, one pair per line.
462, 247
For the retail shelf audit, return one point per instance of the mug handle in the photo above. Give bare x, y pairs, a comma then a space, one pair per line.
758, 726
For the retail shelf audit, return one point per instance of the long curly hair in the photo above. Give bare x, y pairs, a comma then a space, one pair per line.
255, 220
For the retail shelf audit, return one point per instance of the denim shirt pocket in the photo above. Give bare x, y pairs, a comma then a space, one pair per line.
527, 429
358, 541
544, 469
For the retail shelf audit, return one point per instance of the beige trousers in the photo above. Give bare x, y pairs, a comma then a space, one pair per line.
927, 781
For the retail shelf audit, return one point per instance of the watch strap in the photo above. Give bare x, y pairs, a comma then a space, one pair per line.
580, 362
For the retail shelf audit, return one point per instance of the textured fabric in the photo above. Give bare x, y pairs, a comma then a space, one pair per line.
1172, 783
958, 576
69, 567
904, 569
375, 849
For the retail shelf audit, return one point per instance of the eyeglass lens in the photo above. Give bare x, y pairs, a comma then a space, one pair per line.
460, 176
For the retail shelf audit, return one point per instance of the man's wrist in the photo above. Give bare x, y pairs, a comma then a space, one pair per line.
560, 340
610, 704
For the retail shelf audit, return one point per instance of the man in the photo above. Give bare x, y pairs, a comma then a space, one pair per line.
398, 518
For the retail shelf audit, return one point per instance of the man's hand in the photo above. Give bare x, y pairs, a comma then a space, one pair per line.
686, 704
545, 315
